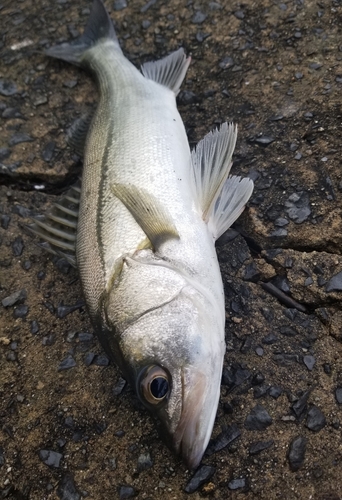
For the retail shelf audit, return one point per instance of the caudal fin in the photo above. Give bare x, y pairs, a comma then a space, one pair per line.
99, 27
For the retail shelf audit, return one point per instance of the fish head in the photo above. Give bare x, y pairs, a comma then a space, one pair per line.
173, 356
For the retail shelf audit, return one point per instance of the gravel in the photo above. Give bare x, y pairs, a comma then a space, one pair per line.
258, 419
203, 474
296, 454
50, 458
315, 419
14, 298
66, 489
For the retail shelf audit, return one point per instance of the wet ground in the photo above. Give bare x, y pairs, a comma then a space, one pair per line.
70, 428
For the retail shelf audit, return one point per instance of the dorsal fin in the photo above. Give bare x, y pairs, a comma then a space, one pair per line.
221, 200
59, 226
169, 71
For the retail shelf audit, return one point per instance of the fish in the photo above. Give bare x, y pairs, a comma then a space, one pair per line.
141, 227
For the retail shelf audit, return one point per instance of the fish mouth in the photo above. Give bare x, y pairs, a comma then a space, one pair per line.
191, 437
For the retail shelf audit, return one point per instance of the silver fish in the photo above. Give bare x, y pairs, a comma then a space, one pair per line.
143, 237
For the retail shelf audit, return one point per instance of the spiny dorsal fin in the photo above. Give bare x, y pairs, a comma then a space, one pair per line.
211, 161
230, 204
169, 71
58, 227
151, 216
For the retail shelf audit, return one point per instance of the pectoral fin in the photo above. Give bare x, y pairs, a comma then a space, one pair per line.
151, 216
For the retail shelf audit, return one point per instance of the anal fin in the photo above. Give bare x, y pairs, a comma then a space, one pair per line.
235, 193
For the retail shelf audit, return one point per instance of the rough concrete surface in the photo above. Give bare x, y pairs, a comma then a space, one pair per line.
69, 427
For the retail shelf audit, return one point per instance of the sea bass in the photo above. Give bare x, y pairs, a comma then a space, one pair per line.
143, 238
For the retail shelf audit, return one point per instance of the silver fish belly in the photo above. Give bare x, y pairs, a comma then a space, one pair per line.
143, 238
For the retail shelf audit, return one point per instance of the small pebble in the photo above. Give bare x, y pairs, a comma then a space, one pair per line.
338, 394
67, 490
264, 140
258, 379
4, 153
18, 246
258, 420
48, 151
275, 392
270, 339
67, 363
315, 65
201, 476
309, 362
14, 298
327, 368
224, 439
144, 462
258, 447
101, 360
260, 391
296, 453
63, 311
18, 138
89, 358
7, 88
335, 283
119, 5
20, 311
237, 484
11, 356
315, 420
259, 351
239, 14
26, 265
85, 337
50, 458
119, 387
49, 340
226, 63
187, 97
126, 492
299, 407
70, 84
5, 220
199, 17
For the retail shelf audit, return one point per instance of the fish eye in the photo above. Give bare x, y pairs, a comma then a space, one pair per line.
154, 384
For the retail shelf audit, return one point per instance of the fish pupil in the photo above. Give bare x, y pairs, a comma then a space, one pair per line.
159, 387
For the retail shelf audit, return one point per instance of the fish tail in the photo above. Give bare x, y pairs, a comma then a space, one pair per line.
98, 29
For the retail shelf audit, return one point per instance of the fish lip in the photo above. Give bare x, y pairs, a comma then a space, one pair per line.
192, 434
